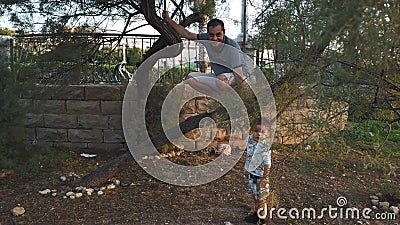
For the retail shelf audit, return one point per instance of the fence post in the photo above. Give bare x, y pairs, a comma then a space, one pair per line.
12, 55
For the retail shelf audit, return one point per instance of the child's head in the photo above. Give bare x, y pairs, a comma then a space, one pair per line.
259, 130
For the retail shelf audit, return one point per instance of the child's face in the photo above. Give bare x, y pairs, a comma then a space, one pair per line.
259, 132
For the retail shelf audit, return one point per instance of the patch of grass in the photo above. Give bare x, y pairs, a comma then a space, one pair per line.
374, 137
32, 159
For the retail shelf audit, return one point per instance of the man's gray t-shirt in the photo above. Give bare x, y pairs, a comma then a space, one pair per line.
223, 59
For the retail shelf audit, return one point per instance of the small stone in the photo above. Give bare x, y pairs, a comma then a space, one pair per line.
117, 182
80, 188
332, 177
360, 222
18, 211
169, 155
374, 207
157, 157
145, 157
384, 205
103, 188
70, 193
53, 190
45, 192
173, 154
151, 157
308, 147
223, 149
125, 183
63, 178
78, 195
374, 197
110, 186
178, 153
394, 209
54, 194
100, 192
375, 202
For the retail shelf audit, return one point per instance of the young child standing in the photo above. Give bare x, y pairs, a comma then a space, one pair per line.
258, 164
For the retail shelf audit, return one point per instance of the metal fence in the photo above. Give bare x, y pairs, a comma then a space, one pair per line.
90, 58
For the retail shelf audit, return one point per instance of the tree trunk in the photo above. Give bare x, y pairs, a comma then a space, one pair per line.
120, 163
168, 37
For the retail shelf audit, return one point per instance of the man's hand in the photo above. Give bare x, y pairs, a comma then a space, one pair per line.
165, 15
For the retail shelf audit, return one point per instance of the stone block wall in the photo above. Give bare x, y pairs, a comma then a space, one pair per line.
76, 116
90, 117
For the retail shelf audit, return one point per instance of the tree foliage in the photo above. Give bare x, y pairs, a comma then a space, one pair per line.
346, 51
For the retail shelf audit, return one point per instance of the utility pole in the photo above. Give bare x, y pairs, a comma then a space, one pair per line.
202, 52
244, 23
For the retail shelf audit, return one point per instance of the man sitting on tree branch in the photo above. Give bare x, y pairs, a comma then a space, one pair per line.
226, 61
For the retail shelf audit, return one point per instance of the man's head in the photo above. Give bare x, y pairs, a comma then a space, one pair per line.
216, 30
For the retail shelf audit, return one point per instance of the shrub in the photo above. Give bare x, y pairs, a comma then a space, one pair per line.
11, 115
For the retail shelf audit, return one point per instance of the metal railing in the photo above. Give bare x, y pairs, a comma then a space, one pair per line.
90, 58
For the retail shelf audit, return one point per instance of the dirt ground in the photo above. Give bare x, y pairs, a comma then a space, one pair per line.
298, 183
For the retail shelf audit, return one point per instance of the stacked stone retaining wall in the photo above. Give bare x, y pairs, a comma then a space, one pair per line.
90, 117
76, 116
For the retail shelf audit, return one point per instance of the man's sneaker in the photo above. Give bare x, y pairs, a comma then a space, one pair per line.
252, 218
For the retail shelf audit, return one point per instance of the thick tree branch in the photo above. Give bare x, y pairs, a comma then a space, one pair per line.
116, 165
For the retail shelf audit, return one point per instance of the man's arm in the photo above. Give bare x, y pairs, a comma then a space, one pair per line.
178, 28
238, 72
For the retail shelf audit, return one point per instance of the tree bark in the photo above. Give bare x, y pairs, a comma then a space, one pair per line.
120, 163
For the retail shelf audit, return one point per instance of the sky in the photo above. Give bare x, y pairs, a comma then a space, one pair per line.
233, 12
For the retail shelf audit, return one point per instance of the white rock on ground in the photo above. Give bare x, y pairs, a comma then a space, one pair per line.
384, 205
223, 149
45, 192
63, 178
80, 188
394, 209
374, 197
70, 193
78, 195
375, 202
117, 182
18, 211
110, 186
100, 192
